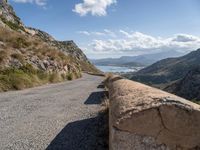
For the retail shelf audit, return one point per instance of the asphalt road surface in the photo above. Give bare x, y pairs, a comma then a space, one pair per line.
61, 116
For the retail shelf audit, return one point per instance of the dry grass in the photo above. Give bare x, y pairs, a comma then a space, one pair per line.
106, 80
33, 45
105, 105
12, 78
19, 46
109, 75
26, 77
3, 56
14, 39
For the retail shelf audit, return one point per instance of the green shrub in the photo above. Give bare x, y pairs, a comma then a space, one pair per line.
24, 77
29, 69
21, 81
4, 83
13, 78
63, 76
77, 75
70, 76
42, 75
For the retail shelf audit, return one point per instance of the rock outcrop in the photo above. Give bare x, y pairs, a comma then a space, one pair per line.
68, 47
10, 20
8, 17
34, 55
143, 118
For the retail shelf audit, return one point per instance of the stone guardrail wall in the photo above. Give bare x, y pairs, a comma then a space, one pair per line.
145, 118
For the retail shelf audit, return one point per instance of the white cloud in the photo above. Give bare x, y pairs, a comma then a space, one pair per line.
40, 2
37, 2
92, 33
135, 43
84, 32
98, 33
125, 33
104, 33
109, 33
95, 7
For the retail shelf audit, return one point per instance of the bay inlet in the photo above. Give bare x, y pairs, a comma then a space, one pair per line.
117, 69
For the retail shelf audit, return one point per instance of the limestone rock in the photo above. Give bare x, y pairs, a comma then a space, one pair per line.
69, 50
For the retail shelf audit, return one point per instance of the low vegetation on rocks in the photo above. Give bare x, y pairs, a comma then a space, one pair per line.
12, 25
27, 62
27, 76
31, 57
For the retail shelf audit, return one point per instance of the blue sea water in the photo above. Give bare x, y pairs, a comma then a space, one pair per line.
116, 69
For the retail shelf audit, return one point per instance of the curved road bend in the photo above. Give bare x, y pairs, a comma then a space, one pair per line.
60, 116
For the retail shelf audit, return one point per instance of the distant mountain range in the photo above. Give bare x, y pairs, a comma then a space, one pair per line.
180, 76
136, 61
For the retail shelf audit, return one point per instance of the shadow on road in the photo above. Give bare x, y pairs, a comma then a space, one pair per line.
96, 97
88, 134
101, 86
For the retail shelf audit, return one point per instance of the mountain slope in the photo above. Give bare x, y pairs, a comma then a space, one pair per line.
30, 57
168, 70
188, 87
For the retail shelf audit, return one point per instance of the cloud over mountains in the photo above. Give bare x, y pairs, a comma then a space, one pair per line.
93, 7
140, 43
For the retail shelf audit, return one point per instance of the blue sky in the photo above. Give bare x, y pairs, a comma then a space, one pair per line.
112, 28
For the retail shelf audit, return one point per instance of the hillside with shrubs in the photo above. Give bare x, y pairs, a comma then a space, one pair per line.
30, 57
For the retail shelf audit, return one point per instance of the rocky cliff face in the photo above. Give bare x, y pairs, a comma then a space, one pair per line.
22, 46
68, 47
8, 17
9, 20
